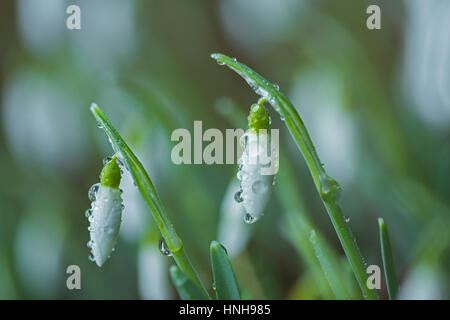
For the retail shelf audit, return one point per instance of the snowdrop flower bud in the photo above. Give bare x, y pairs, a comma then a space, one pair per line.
105, 214
256, 174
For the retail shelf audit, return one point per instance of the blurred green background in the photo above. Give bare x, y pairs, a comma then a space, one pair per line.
376, 103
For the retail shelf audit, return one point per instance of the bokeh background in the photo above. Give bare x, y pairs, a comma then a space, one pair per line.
376, 103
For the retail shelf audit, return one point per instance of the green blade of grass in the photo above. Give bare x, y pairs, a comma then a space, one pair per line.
186, 289
224, 279
388, 261
145, 186
329, 265
327, 187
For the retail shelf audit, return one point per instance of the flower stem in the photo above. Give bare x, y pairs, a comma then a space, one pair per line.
327, 187
145, 186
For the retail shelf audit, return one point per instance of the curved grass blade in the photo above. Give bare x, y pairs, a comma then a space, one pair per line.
224, 279
329, 265
388, 261
186, 289
145, 186
327, 187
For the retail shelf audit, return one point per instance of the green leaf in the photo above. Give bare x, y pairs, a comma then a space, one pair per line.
326, 186
145, 186
224, 280
388, 261
329, 266
186, 289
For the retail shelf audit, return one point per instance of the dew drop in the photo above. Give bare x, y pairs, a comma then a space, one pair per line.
163, 247
248, 218
214, 286
238, 196
276, 86
88, 213
329, 188
259, 187
93, 191
90, 243
347, 219
91, 257
106, 160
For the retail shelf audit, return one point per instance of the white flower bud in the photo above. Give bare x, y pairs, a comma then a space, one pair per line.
255, 177
105, 214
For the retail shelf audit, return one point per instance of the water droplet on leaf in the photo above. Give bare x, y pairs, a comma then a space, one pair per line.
329, 188
163, 247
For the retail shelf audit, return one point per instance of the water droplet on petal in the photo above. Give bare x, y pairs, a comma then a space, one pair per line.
248, 218
163, 247
88, 213
259, 187
93, 191
238, 196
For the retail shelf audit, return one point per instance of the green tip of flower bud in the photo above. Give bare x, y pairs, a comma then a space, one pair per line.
110, 175
258, 118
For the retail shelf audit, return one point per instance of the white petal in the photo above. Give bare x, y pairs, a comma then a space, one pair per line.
256, 187
105, 223
232, 231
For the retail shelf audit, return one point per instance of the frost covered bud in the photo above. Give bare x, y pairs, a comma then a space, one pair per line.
105, 214
258, 164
